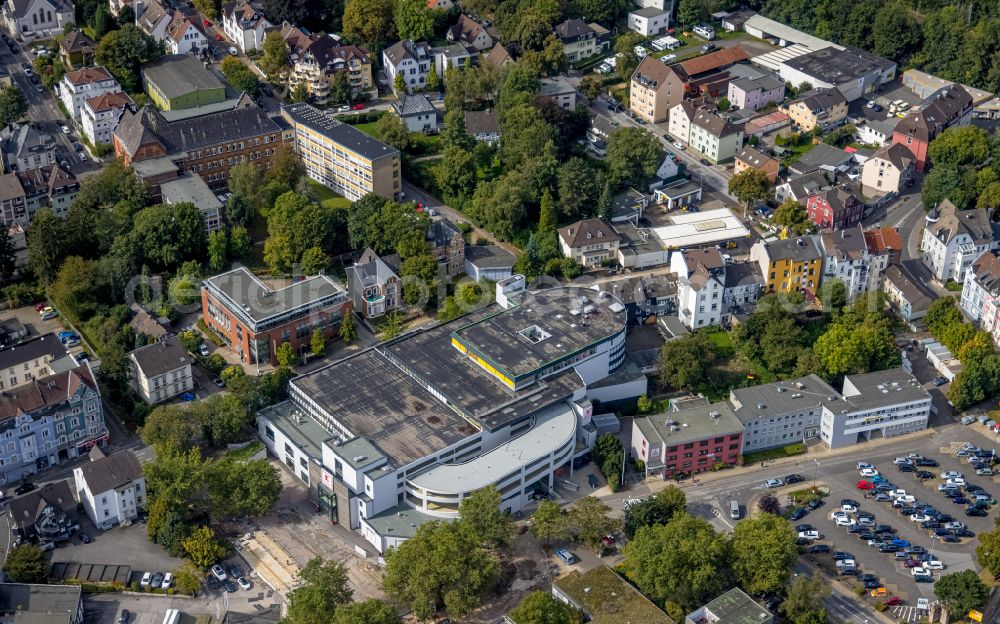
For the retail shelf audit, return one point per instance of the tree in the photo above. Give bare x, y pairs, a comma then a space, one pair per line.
691, 12
961, 591
399, 84
274, 61
762, 553
480, 513
549, 521
895, 32
123, 51
104, 21
627, 61
988, 551
804, 601
13, 106
633, 156
547, 219
455, 174
792, 215
314, 261
657, 509
243, 488
188, 578
588, 521
834, 294
855, 345
433, 80
371, 611
369, 21
643, 404
317, 344
418, 273
203, 548
218, 248
442, 565
73, 288
578, 188
45, 245
240, 76
285, 354
723, 104
684, 560
959, 146
591, 86
239, 242
170, 427
749, 185
413, 20
225, 417
27, 564
348, 330
540, 607
769, 504
392, 130
685, 362
206, 8
324, 590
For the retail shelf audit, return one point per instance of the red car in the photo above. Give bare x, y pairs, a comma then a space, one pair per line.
218, 37
895, 601
608, 540
358, 106
866, 485
40, 306
207, 23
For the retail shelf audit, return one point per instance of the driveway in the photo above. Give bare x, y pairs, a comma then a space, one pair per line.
120, 546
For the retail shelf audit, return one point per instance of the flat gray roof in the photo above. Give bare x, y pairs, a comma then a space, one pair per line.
756, 403
247, 295
400, 521
177, 74
189, 188
338, 132
297, 426
42, 603
735, 607
883, 388
692, 423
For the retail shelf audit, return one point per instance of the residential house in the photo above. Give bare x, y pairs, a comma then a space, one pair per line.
152, 17
603, 595
692, 436
44, 604
645, 298
681, 116
254, 319
25, 147
417, 113
822, 108
710, 287
81, 85
376, 289
32, 359
846, 258
111, 488
100, 115
709, 74
582, 40
903, 296
589, 242
342, 157
410, 59
560, 91
182, 36
76, 49
47, 514
953, 239
447, 246
50, 186
890, 170
161, 371
884, 247
750, 158
27, 19
715, 137
876, 132
732, 607
981, 288
12, 208
836, 208
190, 188
790, 265
949, 106
827, 158
755, 93
181, 81
455, 56
499, 57
317, 64
207, 145
648, 21
58, 417
245, 25
654, 90
600, 130
482, 126
468, 30
488, 262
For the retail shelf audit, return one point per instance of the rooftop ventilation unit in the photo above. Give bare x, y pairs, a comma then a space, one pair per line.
589, 309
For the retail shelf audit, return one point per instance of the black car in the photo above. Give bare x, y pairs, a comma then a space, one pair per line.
798, 513
972, 487
915, 550
866, 535
923, 475
930, 524
951, 539
944, 517
841, 555
960, 500
953, 493
804, 527
815, 503
888, 548
592, 480
942, 532
962, 533
855, 528
819, 548
978, 512
794, 478
870, 581
801, 541
850, 501
705, 162
907, 510
24, 488
84, 538
266, 90
905, 468
124, 617
884, 528
229, 585
212, 582
234, 571
865, 514
925, 461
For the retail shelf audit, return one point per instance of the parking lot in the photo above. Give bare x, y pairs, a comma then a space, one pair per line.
120, 546
889, 568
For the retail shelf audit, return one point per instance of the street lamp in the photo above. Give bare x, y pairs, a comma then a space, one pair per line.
933, 537
815, 473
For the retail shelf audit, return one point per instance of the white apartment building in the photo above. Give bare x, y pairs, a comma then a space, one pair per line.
245, 26
953, 240
79, 86
32, 359
161, 371
780, 413
681, 115
649, 21
26, 19
111, 488
981, 289
412, 60
714, 137
711, 287
99, 116
883, 404
846, 258
182, 36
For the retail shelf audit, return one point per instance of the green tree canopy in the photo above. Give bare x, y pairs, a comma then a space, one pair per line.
240, 76
762, 553
549, 521
369, 21
749, 185
541, 607
371, 611
27, 564
685, 362
325, 590
202, 547
804, 601
413, 20
481, 514
961, 591
13, 106
588, 521
633, 156
659, 508
960, 146
123, 51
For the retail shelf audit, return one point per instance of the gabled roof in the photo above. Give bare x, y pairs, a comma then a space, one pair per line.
87, 75
587, 232
442, 232
10, 187
134, 130
245, 16
179, 26
754, 158
20, 7
45, 392
572, 29
948, 105
704, 265
689, 108
23, 140
25, 510
499, 56
716, 125
296, 39
160, 357
481, 122
330, 54
153, 13
370, 270
707, 62
77, 41
898, 154
839, 198
401, 50
808, 184
466, 29
50, 179
111, 472
952, 222
986, 271
845, 244
651, 72
417, 104
884, 239
109, 101
820, 100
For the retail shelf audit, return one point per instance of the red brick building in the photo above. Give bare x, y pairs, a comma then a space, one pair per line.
835, 208
254, 320
948, 107
693, 436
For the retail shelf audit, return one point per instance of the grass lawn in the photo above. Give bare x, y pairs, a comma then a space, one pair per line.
791, 450
953, 286
367, 127
722, 341
326, 197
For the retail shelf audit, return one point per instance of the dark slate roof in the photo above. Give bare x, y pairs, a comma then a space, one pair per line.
373, 273
76, 41
25, 510
951, 222
21, 6
898, 154
329, 53
24, 140
31, 350
716, 125
177, 74
246, 120
819, 100
441, 232
111, 472
986, 270
481, 122
407, 49
593, 230
408, 105
798, 249
948, 105
489, 256
348, 136
572, 29
40, 604
161, 357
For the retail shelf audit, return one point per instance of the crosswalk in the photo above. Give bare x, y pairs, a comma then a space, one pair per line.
907, 614
952, 448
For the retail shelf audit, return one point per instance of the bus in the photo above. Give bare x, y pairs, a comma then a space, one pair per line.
173, 616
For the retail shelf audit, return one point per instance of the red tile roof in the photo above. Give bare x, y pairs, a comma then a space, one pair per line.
883, 239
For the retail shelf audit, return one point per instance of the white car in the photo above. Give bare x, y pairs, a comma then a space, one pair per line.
923, 604
640, 52
944, 486
863, 465
954, 524
869, 472
147, 578
666, 58
842, 521
168, 580
897, 493
678, 145
908, 498
219, 573
809, 535
837, 514
65, 129
773, 483
951, 474
849, 508
234, 52
921, 571
956, 482
920, 518
934, 564
866, 521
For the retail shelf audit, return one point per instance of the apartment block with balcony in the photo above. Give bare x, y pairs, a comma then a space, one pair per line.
79, 86
342, 157
412, 60
318, 64
375, 288
953, 239
846, 258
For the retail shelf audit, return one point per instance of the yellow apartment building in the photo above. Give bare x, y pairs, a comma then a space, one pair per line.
790, 265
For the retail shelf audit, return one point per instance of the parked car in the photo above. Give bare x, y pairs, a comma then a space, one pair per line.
819, 548
798, 513
84, 538
147, 578
168, 580
157, 580
244, 583
219, 573
773, 483
792, 478
358, 106
48, 314
566, 556
230, 586
203, 350
124, 617
940, 381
